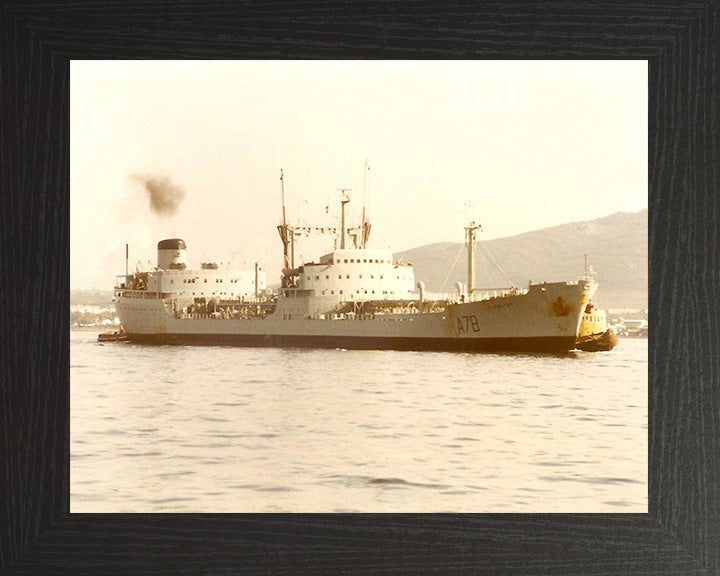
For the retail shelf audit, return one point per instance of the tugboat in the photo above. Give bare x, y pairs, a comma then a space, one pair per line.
115, 336
594, 335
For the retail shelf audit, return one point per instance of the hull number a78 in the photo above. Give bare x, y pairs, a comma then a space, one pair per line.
467, 323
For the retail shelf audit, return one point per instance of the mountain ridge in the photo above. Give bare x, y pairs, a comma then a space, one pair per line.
616, 246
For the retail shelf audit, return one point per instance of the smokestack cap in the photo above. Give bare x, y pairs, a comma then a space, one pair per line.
171, 244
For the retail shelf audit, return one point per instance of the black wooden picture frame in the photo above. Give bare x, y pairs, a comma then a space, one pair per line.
681, 532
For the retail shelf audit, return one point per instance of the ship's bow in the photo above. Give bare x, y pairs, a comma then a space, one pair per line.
545, 318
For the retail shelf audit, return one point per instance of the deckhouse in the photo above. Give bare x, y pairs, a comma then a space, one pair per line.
173, 276
358, 274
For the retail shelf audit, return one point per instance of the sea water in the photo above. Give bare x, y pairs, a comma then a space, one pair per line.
224, 429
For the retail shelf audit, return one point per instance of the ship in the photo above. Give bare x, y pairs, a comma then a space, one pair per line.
352, 297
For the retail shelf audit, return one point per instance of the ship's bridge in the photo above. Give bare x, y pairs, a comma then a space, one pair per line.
358, 274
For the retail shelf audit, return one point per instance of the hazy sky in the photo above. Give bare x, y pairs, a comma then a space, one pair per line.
527, 144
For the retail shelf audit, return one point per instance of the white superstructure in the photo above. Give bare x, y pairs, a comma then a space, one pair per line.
358, 274
172, 278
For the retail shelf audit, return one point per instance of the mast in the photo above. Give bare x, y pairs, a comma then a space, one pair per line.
344, 200
470, 231
256, 279
292, 248
283, 228
365, 223
282, 189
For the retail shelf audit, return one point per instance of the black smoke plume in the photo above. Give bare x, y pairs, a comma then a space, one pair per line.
165, 197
